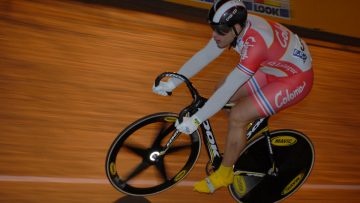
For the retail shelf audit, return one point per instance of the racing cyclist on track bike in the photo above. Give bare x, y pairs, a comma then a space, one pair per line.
273, 73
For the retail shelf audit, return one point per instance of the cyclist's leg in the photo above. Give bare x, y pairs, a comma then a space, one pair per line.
244, 112
266, 96
239, 116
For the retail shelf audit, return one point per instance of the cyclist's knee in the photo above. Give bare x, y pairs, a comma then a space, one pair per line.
237, 119
242, 115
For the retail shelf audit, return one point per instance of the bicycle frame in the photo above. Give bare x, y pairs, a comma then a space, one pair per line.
212, 148
256, 175
256, 129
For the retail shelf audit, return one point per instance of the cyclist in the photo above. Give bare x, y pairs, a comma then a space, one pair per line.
273, 73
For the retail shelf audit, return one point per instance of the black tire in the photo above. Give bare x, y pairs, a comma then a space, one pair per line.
129, 167
294, 156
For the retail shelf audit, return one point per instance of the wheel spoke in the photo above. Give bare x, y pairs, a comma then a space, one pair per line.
138, 150
164, 131
178, 148
160, 165
139, 168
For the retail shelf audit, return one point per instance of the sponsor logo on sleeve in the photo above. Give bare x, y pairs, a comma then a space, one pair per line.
282, 35
300, 54
249, 42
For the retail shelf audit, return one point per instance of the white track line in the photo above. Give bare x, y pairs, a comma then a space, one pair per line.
39, 179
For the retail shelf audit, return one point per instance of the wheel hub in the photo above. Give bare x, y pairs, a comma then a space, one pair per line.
154, 156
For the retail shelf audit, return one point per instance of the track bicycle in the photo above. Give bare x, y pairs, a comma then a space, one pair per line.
272, 167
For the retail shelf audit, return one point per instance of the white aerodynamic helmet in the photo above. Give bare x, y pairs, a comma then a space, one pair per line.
224, 14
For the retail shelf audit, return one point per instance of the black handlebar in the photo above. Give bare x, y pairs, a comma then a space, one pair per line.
197, 102
194, 93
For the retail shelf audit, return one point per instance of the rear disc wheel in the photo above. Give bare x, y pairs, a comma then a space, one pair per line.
294, 158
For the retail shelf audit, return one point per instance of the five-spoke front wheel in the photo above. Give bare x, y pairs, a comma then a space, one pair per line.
134, 164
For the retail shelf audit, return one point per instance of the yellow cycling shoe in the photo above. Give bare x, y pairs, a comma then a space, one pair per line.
222, 177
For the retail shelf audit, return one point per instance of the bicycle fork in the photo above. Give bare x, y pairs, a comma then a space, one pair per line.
169, 143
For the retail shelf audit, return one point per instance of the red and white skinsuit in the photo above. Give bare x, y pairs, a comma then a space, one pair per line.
274, 67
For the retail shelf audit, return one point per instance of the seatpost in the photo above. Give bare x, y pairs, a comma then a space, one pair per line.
273, 170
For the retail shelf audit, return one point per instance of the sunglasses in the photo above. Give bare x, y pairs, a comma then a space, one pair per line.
221, 29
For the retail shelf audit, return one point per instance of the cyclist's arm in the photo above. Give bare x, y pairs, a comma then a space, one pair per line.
222, 95
253, 55
199, 61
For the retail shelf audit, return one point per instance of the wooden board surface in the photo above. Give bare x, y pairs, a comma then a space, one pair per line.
73, 75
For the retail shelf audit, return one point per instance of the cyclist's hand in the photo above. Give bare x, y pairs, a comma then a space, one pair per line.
164, 88
189, 124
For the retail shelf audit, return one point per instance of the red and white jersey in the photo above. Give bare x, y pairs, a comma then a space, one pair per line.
272, 48
275, 68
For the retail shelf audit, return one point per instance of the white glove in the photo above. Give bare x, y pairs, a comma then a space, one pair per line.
163, 88
189, 124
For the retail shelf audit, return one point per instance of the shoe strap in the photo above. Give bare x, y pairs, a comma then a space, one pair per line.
210, 185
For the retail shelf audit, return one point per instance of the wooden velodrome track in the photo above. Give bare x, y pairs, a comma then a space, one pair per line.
73, 75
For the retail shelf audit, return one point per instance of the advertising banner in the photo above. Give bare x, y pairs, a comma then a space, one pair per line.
274, 8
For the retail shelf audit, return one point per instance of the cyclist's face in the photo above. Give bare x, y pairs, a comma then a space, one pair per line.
224, 37
223, 40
